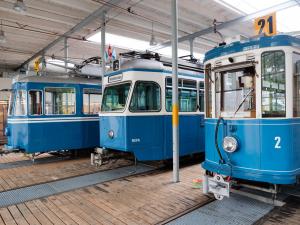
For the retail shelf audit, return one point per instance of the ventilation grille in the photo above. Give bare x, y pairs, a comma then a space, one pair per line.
250, 57
218, 63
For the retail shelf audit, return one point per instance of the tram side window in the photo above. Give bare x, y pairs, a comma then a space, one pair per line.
273, 84
35, 102
145, 97
20, 105
91, 101
11, 103
187, 94
201, 96
297, 87
60, 101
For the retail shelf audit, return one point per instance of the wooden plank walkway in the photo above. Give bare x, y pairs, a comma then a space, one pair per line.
142, 199
39, 173
289, 214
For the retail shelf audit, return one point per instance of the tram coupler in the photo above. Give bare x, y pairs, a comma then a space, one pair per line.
99, 156
216, 185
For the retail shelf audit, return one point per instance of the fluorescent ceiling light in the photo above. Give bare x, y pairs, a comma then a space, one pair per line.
60, 63
287, 19
135, 44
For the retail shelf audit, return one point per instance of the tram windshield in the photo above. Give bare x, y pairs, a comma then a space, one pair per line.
235, 93
115, 97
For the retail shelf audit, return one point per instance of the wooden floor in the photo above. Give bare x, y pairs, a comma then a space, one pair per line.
142, 199
289, 214
45, 172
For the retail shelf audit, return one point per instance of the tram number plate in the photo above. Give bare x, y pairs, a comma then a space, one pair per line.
266, 25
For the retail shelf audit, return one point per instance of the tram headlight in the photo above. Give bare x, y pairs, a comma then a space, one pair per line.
230, 144
111, 134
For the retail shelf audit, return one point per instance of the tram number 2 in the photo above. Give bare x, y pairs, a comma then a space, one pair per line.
277, 140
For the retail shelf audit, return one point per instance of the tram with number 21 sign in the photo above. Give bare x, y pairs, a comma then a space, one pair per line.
252, 122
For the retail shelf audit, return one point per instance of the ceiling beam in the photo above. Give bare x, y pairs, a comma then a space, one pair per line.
285, 5
95, 15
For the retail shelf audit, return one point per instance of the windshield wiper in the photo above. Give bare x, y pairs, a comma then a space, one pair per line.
242, 102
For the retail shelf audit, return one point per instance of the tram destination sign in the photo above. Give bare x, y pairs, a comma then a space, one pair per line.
115, 78
266, 25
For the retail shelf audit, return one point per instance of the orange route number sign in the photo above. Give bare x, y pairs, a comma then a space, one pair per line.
266, 25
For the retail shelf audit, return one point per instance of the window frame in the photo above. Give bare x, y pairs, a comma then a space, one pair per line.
89, 103
160, 99
26, 99
75, 93
126, 103
203, 91
182, 88
42, 103
261, 86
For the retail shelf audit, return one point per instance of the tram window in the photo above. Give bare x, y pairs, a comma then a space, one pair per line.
60, 101
187, 94
11, 103
201, 96
273, 84
35, 102
235, 94
115, 97
20, 105
296, 56
145, 97
91, 101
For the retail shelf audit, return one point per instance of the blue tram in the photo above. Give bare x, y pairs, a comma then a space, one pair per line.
252, 124
136, 109
53, 113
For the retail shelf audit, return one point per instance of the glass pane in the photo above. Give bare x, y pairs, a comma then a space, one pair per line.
91, 101
35, 102
95, 100
273, 84
201, 100
20, 106
235, 94
187, 100
296, 59
86, 104
11, 103
169, 99
115, 97
145, 97
60, 101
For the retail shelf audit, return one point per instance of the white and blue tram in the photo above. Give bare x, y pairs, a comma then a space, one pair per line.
53, 113
252, 125
137, 103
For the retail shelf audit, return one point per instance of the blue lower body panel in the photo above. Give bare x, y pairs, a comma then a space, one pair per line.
268, 150
150, 137
53, 136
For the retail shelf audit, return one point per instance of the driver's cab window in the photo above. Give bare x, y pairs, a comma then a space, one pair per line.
235, 93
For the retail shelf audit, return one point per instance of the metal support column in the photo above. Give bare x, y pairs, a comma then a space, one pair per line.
192, 47
175, 107
66, 53
103, 45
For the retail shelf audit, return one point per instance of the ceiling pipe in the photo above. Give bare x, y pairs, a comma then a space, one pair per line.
279, 7
96, 14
